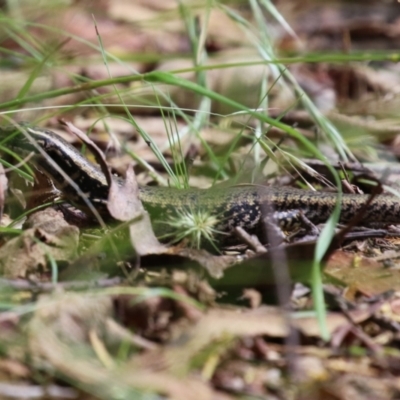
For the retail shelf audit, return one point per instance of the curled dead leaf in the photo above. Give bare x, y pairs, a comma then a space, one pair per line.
48, 236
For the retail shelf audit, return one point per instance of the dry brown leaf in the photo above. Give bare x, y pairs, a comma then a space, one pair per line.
124, 204
48, 235
361, 274
14, 368
123, 201
133, 11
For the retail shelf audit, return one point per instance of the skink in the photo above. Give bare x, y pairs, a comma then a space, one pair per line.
234, 206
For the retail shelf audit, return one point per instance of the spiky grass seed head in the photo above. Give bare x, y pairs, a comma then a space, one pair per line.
196, 226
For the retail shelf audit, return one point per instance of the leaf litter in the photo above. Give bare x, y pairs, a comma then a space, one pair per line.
180, 322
